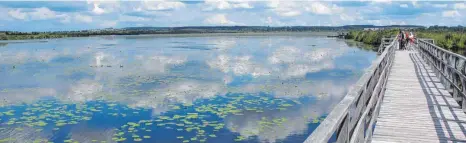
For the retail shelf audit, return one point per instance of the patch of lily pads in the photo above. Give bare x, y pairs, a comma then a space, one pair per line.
204, 119
195, 122
54, 115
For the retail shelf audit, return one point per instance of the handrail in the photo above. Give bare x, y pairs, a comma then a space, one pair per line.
353, 118
384, 42
449, 67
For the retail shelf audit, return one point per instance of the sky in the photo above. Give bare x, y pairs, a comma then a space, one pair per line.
90, 14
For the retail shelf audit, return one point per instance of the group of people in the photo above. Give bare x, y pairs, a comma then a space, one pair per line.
405, 38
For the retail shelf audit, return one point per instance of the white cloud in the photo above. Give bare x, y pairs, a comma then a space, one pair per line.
285, 9
42, 13
269, 20
83, 18
375, 22
99, 7
301, 61
397, 22
162, 5
17, 14
319, 8
216, 4
108, 24
459, 6
66, 19
25, 95
450, 13
287, 54
189, 91
404, 5
160, 63
219, 19
223, 43
289, 13
127, 18
382, 1
242, 5
239, 65
84, 90
415, 4
440, 5
97, 10
294, 8
223, 4
297, 119
346, 17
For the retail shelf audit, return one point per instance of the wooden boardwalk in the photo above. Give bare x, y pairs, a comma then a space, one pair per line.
416, 106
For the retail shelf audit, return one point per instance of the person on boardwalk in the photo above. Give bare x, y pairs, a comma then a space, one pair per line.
407, 44
411, 37
401, 39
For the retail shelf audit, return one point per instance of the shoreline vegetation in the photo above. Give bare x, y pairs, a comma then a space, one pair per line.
450, 38
14, 35
40, 38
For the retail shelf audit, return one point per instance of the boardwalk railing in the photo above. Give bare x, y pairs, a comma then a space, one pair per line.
384, 43
352, 119
449, 67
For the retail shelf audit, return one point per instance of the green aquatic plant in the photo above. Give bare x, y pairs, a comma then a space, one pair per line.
46, 113
6, 140
9, 113
118, 139
240, 138
199, 119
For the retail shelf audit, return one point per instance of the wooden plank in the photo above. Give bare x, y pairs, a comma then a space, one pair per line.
416, 106
347, 113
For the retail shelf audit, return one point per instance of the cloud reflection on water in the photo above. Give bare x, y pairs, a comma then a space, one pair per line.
158, 76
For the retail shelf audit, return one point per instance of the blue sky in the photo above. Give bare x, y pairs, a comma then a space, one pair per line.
78, 15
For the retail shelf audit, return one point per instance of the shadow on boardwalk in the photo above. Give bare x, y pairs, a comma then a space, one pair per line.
443, 108
417, 107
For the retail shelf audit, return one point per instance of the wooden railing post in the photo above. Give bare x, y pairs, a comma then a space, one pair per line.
352, 119
449, 67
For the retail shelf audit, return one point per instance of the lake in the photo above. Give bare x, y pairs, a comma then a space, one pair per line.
174, 88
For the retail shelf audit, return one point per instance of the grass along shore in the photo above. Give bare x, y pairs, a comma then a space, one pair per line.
451, 40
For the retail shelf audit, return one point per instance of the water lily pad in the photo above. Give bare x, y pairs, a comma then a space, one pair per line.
240, 138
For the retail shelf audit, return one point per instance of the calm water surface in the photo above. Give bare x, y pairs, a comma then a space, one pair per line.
173, 89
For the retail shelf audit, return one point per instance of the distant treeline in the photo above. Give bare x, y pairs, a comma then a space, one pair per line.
12, 35
370, 36
451, 38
